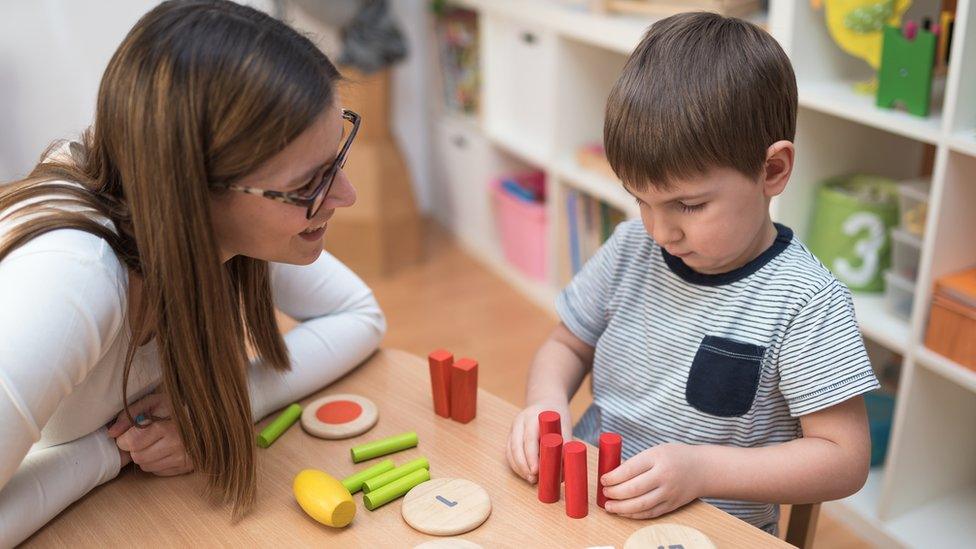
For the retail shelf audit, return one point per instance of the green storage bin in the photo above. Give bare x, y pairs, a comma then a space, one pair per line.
850, 227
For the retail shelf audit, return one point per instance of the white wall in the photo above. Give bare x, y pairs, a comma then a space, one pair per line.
53, 53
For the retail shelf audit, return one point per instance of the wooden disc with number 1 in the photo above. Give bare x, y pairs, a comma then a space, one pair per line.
446, 506
339, 416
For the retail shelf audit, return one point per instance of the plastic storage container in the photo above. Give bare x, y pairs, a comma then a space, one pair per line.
899, 293
952, 320
881, 408
522, 225
913, 205
906, 251
849, 228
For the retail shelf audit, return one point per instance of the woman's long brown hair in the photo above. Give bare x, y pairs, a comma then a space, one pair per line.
199, 92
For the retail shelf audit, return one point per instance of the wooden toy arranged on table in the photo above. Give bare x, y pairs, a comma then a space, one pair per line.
572, 457
454, 385
445, 507
339, 416
668, 536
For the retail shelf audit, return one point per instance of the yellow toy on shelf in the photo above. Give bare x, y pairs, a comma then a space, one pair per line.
324, 498
857, 27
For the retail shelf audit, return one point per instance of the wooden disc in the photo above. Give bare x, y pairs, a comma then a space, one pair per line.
446, 506
668, 535
449, 543
339, 416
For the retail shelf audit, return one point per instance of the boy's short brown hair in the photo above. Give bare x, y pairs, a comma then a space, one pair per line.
700, 91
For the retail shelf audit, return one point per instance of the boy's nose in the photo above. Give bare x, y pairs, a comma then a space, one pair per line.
665, 233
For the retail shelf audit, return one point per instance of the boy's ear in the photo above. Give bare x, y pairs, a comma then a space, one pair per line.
778, 167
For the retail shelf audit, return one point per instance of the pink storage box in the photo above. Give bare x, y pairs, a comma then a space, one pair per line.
522, 225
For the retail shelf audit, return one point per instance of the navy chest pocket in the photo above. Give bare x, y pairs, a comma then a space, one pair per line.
724, 376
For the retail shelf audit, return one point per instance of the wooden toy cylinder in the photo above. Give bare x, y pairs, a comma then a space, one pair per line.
550, 457
549, 422
610, 446
440, 362
574, 463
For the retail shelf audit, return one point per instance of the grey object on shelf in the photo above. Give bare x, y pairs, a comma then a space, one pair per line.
371, 39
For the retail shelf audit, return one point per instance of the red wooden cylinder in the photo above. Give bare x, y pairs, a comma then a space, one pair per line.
549, 422
574, 463
610, 446
550, 458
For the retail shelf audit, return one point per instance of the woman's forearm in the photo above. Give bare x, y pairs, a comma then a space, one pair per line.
49, 480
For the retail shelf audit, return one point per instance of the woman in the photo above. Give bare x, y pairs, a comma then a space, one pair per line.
135, 266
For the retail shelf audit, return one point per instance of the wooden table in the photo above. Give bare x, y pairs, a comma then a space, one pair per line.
138, 509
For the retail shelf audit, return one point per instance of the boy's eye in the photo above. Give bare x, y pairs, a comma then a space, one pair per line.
690, 207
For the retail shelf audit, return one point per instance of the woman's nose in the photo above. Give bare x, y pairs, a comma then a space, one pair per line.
342, 194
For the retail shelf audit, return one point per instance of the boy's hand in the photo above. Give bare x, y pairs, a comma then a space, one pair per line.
523, 441
156, 448
655, 481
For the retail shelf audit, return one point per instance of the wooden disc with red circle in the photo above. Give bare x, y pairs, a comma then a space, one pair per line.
339, 416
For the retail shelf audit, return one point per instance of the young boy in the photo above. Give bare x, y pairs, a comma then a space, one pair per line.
723, 352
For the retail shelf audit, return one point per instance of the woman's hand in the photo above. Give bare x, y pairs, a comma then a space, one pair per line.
655, 481
523, 441
156, 447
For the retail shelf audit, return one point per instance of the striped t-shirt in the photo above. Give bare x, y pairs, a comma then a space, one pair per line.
730, 359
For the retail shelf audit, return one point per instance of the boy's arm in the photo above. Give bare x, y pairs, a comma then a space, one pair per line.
558, 368
556, 374
830, 462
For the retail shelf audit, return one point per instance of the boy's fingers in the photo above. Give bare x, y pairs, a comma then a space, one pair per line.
628, 470
631, 488
530, 442
518, 450
654, 512
632, 506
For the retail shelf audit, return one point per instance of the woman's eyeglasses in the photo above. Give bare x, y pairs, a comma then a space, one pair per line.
314, 194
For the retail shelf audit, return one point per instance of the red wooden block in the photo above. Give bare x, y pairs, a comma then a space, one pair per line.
550, 456
610, 446
464, 390
549, 422
574, 464
440, 362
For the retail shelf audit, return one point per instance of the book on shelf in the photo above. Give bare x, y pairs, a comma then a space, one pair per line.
590, 223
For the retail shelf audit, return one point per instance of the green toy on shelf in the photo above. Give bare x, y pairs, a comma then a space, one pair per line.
907, 61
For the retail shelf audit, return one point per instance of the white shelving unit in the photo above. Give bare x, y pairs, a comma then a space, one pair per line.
547, 68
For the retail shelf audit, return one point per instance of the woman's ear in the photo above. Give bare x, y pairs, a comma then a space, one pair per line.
778, 167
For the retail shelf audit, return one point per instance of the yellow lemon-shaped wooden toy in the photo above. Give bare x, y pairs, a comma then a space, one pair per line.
324, 498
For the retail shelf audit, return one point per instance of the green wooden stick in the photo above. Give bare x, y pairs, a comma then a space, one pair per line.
279, 425
384, 447
398, 473
354, 483
396, 489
